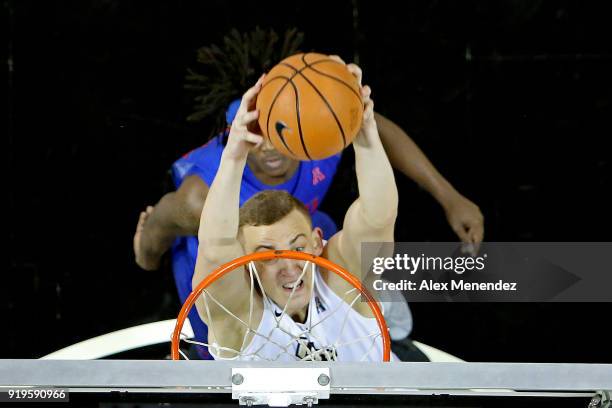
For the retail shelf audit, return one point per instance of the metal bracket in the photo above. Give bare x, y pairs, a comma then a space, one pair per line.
280, 387
603, 399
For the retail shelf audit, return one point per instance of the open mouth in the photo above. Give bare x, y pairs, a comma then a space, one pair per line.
288, 287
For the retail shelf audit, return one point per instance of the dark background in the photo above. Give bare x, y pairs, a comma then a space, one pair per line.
510, 99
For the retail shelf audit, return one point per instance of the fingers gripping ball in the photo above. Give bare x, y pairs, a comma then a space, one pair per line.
310, 106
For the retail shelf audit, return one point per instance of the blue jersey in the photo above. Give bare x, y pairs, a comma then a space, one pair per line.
309, 183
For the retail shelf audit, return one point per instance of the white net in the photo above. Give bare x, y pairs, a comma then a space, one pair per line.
332, 330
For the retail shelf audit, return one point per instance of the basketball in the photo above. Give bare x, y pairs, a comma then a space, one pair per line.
310, 107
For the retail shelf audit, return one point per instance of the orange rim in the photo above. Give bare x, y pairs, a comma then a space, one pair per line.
264, 256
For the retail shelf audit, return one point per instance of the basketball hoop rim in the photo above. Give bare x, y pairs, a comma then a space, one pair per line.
265, 256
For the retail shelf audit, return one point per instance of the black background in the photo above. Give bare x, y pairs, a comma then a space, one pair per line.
510, 99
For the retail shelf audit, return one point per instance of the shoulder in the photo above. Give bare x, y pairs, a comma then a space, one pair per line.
203, 161
214, 147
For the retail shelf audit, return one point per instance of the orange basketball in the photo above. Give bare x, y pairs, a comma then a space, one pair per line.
310, 107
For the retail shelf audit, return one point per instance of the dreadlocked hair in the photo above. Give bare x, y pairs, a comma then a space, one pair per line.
230, 69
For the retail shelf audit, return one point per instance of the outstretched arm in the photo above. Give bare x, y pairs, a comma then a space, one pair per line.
371, 218
176, 214
462, 214
219, 221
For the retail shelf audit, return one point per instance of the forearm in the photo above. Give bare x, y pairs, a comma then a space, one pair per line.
220, 215
378, 197
409, 159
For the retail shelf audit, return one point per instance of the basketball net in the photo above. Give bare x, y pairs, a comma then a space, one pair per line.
300, 342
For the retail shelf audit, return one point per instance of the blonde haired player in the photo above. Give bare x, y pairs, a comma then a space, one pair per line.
292, 297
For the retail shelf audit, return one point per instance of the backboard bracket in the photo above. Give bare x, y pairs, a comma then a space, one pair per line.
280, 387
603, 399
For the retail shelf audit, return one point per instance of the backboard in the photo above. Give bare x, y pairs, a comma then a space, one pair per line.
121, 383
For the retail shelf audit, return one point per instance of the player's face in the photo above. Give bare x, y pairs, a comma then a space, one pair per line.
279, 276
269, 161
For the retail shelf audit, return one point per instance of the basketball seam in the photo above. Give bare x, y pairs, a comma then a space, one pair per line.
309, 65
280, 90
268, 80
331, 110
336, 79
272, 104
288, 80
299, 120
295, 73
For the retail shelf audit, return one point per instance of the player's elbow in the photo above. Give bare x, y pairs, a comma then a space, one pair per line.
208, 254
207, 261
381, 217
387, 214
392, 199
218, 250
386, 219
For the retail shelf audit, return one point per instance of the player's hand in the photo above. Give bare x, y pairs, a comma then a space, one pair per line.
368, 109
141, 259
368, 123
466, 220
242, 137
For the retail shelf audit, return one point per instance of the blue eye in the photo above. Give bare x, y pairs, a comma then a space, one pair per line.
300, 249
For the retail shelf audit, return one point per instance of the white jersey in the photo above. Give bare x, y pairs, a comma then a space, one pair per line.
333, 331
